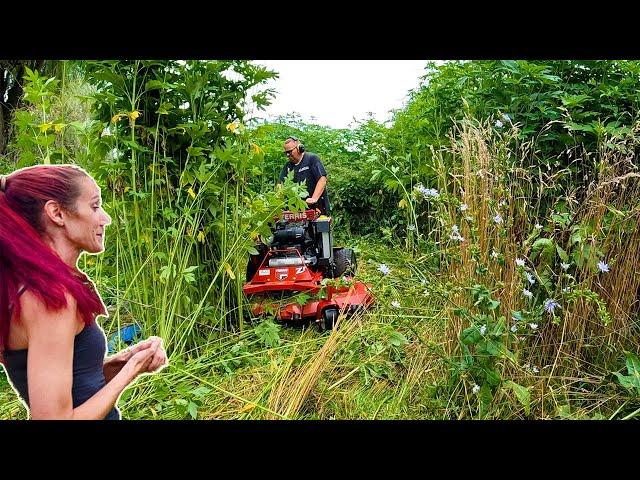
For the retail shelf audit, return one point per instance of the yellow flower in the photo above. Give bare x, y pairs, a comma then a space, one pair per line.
133, 115
256, 148
227, 267
58, 127
233, 126
45, 127
192, 193
201, 236
116, 117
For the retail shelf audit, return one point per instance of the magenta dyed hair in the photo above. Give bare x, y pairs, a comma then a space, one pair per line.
24, 257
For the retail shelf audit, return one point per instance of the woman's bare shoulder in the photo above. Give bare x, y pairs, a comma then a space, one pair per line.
34, 313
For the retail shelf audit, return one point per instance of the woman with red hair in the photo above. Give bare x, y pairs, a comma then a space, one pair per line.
50, 345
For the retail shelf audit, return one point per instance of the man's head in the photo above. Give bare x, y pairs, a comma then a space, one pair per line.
293, 149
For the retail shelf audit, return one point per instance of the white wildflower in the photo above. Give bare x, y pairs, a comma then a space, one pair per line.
114, 154
384, 269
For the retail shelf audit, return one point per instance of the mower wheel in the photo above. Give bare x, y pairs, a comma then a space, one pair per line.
345, 260
329, 317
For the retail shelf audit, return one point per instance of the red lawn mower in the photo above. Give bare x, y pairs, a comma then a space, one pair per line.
297, 258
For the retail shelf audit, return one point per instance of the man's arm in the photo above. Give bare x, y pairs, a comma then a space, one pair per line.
321, 174
317, 192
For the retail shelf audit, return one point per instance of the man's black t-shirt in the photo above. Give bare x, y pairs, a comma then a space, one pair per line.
309, 170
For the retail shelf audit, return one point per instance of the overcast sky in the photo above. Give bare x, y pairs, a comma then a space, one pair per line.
336, 91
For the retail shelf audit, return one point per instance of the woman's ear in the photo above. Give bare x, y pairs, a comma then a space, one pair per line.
54, 212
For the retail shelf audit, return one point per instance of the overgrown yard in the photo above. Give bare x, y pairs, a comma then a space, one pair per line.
496, 221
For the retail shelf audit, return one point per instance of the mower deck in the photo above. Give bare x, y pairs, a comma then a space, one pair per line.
343, 299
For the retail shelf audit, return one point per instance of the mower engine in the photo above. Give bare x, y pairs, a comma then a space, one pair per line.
309, 235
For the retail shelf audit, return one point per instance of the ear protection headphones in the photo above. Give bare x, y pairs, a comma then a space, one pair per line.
300, 145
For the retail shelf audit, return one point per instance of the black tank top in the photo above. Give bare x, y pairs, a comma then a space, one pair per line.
89, 347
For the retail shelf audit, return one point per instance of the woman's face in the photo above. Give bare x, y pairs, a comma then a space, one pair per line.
85, 227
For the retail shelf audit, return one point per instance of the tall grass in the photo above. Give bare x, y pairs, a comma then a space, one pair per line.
566, 355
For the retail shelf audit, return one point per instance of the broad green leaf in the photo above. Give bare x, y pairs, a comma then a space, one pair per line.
397, 339
193, 410
470, 335
522, 394
544, 247
562, 254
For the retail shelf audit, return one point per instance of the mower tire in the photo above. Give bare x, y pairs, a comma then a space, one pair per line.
328, 320
345, 261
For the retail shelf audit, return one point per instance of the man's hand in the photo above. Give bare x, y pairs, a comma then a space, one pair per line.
311, 201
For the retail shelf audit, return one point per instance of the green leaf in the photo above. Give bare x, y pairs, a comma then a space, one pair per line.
563, 255
544, 247
493, 347
397, 339
493, 377
468, 359
511, 65
522, 394
193, 410
470, 335
500, 326
302, 298
633, 365
493, 304
631, 381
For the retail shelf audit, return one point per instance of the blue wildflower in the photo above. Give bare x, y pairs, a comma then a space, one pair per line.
550, 305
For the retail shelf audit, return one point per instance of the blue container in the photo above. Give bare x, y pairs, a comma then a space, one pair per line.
128, 335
